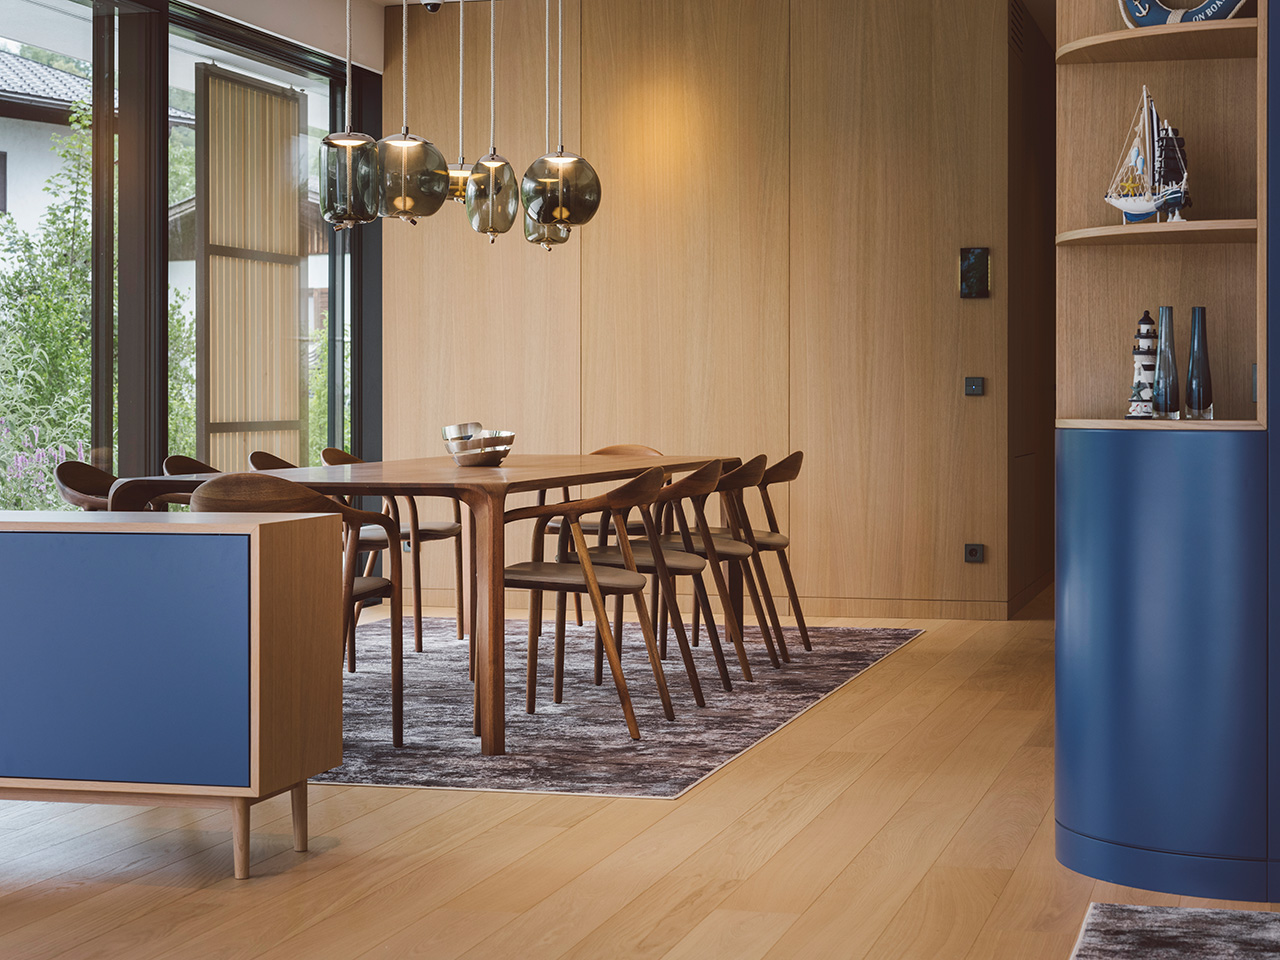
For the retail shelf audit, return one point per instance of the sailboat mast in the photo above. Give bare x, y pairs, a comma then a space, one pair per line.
1147, 110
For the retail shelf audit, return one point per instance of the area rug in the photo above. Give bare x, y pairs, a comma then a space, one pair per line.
581, 746
1115, 931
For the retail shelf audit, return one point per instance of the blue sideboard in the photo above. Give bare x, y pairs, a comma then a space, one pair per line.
1162, 666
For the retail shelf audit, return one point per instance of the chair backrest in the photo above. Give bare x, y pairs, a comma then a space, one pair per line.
261, 460
259, 493
627, 450
178, 465
701, 482
637, 492
83, 485
784, 471
747, 475
333, 457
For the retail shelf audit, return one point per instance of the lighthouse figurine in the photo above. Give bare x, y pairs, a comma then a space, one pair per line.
1141, 405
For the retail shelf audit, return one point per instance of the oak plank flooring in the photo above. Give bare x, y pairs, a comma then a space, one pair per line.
907, 816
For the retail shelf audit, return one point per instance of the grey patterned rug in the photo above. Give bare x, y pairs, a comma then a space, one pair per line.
581, 745
1114, 931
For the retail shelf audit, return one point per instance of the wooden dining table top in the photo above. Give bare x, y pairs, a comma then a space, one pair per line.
437, 476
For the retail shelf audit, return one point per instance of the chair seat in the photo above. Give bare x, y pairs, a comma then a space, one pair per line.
726, 548
591, 526
366, 588
373, 537
680, 564
569, 577
765, 539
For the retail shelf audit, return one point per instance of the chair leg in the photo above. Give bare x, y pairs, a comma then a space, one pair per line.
298, 804
667, 583
561, 603
458, 585
351, 640
602, 626
761, 618
240, 836
785, 564
535, 630
651, 645
577, 607
697, 610
654, 604
732, 625
415, 564
703, 601
618, 620
662, 624
771, 608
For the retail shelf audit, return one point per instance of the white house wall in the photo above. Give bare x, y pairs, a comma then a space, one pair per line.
31, 161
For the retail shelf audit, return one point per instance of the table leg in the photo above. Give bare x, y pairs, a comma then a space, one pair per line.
490, 620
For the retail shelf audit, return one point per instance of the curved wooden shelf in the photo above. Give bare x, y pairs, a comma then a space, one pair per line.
1233, 425
1186, 231
1215, 40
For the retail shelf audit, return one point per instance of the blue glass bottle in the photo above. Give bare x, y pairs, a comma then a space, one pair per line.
1199, 380
1167, 403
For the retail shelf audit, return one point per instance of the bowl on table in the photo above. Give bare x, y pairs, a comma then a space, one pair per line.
481, 448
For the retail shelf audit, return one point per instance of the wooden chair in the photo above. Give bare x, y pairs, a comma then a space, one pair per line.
734, 550
179, 466
665, 563
414, 532
256, 493
261, 460
591, 525
83, 485
583, 577
773, 540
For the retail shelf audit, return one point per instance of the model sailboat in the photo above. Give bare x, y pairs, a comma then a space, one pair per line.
1151, 178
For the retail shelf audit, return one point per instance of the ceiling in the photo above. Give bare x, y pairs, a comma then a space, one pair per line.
1044, 12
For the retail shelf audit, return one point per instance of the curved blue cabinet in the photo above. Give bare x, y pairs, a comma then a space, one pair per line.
1162, 686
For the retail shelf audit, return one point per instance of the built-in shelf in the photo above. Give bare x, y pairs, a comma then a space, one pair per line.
1184, 231
1214, 40
1159, 425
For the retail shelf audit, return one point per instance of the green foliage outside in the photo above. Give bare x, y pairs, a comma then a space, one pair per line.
45, 336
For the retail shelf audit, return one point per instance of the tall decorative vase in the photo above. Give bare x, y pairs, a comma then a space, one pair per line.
1167, 404
1199, 380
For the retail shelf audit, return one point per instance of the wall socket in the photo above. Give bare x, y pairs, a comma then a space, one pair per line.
975, 386
975, 553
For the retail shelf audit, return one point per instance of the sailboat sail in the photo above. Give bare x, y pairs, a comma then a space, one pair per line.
1151, 177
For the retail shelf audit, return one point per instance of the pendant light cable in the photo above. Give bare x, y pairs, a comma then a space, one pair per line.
348, 65
404, 67
462, 60
546, 57
560, 68
493, 82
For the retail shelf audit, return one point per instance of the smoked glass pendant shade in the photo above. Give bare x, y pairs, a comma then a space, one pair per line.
493, 196
561, 188
459, 174
547, 234
348, 179
415, 178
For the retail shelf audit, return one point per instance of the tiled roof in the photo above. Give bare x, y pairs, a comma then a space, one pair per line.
46, 85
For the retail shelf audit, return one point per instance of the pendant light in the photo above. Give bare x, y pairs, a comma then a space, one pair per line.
493, 196
460, 173
414, 176
348, 168
549, 235
561, 188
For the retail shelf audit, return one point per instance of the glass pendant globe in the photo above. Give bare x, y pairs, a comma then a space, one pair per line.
561, 188
348, 179
414, 177
493, 196
459, 174
547, 234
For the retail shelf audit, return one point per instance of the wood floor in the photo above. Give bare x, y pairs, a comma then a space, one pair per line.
909, 815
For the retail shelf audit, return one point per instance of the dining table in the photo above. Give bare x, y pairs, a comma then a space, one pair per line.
484, 490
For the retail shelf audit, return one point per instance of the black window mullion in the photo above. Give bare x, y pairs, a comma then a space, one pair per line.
102, 335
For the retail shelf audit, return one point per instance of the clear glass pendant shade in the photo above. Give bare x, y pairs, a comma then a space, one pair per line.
415, 178
459, 174
348, 179
547, 234
561, 188
493, 196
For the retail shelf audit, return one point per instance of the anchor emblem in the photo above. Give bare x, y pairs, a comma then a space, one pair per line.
1142, 9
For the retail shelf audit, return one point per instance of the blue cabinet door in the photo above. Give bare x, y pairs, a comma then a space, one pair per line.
1162, 640
125, 657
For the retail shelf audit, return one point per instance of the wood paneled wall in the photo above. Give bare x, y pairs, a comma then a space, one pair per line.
774, 266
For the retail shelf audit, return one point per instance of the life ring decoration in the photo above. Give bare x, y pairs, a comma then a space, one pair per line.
1152, 13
